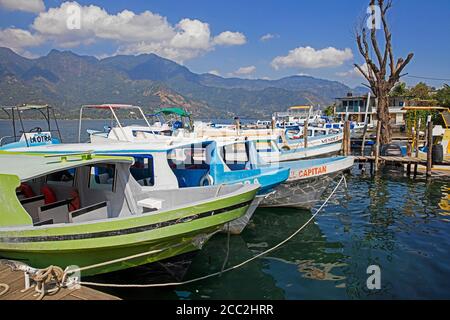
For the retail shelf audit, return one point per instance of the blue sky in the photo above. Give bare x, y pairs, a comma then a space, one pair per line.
421, 27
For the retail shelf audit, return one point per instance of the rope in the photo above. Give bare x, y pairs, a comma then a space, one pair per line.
51, 275
225, 261
5, 288
102, 264
228, 269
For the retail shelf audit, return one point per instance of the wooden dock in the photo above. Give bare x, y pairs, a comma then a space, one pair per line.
391, 160
420, 165
15, 280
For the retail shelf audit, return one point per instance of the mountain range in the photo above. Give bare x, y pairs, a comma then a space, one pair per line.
66, 80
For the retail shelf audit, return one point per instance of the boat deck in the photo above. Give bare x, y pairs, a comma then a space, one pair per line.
16, 282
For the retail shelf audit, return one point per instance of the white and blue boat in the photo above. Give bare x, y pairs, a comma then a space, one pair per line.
164, 166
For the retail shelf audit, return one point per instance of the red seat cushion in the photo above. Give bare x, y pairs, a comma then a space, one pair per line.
75, 203
26, 190
49, 195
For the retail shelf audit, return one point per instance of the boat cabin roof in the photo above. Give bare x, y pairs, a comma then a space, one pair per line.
114, 148
26, 107
30, 166
110, 106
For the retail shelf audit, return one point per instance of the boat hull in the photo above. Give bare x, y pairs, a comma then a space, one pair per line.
167, 234
302, 153
303, 194
237, 226
307, 182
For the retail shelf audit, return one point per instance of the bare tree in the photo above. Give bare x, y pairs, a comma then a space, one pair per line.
377, 74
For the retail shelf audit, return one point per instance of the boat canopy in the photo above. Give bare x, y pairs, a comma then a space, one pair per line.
17, 167
26, 107
178, 111
300, 107
110, 106
27, 166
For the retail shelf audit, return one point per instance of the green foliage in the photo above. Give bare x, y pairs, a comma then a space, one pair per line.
443, 96
329, 111
400, 90
420, 91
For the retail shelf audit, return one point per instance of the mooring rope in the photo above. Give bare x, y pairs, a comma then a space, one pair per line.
96, 284
55, 276
5, 288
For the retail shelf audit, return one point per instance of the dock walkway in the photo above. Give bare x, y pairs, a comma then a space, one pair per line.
16, 283
442, 169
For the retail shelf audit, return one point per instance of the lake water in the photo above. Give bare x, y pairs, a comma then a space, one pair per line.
400, 224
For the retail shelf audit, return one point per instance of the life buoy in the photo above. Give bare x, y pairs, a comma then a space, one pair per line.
75, 202
49, 195
206, 180
26, 190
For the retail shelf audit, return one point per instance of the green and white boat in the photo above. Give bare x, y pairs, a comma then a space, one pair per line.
84, 210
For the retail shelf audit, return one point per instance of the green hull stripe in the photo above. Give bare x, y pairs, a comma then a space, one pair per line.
121, 232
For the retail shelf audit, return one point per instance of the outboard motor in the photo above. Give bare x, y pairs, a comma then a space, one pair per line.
437, 154
391, 149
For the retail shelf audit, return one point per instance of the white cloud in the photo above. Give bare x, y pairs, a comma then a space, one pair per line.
243, 71
268, 37
34, 6
229, 38
353, 73
134, 33
214, 72
18, 39
307, 57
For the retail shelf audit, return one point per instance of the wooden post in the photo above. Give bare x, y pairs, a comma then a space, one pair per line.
366, 123
417, 145
347, 137
305, 132
377, 145
344, 140
430, 148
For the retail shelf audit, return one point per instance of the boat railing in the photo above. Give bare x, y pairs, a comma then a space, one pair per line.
2, 139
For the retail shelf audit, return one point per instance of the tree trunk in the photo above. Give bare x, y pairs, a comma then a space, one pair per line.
383, 116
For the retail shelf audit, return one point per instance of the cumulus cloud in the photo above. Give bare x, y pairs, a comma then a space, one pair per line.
19, 39
229, 38
268, 36
23, 5
244, 71
132, 33
307, 57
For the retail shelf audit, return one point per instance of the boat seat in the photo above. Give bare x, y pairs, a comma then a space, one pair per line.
57, 211
93, 212
151, 203
32, 205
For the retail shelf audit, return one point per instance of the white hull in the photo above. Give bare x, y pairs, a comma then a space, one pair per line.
307, 183
237, 226
310, 152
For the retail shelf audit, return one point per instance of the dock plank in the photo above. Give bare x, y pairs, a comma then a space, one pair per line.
16, 282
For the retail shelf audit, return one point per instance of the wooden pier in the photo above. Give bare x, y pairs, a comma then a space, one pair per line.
411, 163
15, 282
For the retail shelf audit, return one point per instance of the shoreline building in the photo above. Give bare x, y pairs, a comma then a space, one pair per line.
355, 108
